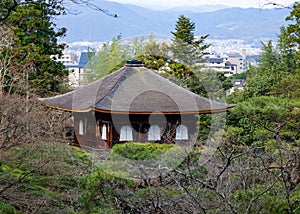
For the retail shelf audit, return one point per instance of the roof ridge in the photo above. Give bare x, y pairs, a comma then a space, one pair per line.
114, 87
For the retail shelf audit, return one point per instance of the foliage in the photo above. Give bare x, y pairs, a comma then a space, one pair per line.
186, 49
7, 7
154, 55
8, 209
276, 73
107, 185
185, 77
33, 42
293, 30
184, 30
35, 46
240, 76
159, 56
287, 54
185, 68
260, 80
255, 167
288, 87
210, 124
26, 120
111, 57
41, 177
262, 134
114, 54
141, 151
277, 116
65, 179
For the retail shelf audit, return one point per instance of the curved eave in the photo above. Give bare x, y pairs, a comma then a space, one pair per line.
144, 113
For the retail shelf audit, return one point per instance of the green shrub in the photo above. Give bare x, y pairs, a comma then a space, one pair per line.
140, 151
200, 172
44, 176
80, 154
8, 209
100, 188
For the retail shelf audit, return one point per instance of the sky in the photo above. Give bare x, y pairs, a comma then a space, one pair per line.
233, 3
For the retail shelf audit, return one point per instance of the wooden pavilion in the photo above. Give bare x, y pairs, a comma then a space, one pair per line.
133, 104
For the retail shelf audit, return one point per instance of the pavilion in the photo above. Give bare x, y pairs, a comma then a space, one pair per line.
133, 104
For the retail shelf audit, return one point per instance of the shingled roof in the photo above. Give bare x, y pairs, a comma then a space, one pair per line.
135, 90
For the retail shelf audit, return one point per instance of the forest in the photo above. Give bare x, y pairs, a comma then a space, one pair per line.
244, 161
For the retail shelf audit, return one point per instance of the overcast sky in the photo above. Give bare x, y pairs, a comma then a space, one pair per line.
233, 3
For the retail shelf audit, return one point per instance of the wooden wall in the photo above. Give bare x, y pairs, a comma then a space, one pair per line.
93, 121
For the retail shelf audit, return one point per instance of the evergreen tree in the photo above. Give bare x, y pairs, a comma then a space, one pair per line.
262, 79
269, 57
36, 43
187, 53
277, 74
293, 31
154, 55
184, 30
287, 54
111, 57
186, 49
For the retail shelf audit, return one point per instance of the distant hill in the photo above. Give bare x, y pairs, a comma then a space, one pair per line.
132, 20
197, 9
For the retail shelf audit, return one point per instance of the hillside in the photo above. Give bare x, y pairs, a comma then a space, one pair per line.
132, 20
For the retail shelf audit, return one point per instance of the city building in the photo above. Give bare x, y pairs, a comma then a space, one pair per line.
236, 59
78, 70
237, 84
221, 65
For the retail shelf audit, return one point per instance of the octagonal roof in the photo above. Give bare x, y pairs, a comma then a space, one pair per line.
135, 89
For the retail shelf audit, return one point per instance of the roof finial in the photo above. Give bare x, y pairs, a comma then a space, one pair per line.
134, 63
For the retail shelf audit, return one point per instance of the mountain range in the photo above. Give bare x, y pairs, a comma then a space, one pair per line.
220, 22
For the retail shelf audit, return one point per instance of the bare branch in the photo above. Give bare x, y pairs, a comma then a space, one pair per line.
24, 176
260, 194
93, 6
277, 5
7, 11
229, 159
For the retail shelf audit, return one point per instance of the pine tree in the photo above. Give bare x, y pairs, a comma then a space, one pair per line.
36, 42
187, 56
154, 55
184, 30
287, 54
186, 49
293, 31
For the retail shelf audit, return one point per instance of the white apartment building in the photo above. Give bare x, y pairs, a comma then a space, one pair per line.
77, 69
237, 59
221, 65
